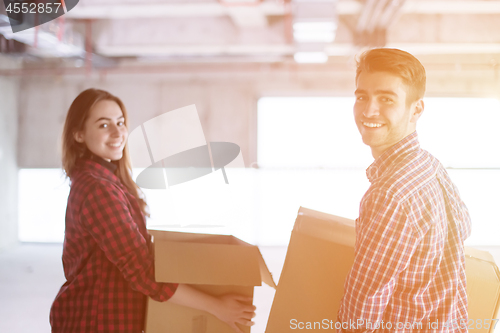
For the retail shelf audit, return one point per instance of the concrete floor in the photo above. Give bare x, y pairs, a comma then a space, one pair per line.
31, 275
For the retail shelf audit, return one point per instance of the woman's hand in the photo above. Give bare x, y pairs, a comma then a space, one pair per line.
233, 309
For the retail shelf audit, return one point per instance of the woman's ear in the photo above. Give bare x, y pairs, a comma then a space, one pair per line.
417, 110
79, 137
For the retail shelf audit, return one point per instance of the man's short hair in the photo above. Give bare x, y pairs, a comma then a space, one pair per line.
396, 62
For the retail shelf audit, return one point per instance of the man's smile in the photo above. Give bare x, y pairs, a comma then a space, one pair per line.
372, 125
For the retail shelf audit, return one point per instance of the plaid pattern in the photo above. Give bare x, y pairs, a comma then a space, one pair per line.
107, 262
409, 266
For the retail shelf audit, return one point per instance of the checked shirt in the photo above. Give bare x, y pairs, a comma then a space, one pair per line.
107, 262
409, 266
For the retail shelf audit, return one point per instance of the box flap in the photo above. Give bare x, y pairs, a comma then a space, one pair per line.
332, 228
265, 274
478, 254
238, 262
175, 236
201, 263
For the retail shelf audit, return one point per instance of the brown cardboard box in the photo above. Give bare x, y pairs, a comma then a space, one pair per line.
319, 256
215, 264
483, 290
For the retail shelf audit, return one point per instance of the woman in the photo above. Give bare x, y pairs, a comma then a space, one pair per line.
106, 257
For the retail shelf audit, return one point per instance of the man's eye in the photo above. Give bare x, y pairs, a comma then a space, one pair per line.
360, 98
386, 100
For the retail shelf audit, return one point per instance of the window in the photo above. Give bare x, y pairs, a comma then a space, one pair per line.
313, 143
310, 154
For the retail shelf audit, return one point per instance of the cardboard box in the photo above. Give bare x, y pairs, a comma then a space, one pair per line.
215, 264
318, 259
483, 290
319, 256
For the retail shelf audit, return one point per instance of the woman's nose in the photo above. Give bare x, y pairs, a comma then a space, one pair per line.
117, 130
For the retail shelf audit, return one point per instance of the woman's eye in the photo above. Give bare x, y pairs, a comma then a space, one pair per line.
103, 126
121, 123
360, 98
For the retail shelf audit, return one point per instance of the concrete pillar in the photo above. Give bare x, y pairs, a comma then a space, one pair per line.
8, 162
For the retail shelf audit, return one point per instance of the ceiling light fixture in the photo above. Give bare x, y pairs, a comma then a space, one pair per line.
310, 57
314, 32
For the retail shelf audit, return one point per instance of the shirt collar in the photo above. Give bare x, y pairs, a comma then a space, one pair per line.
388, 157
108, 165
93, 162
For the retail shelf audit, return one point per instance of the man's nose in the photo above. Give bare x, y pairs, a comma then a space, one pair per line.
372, 109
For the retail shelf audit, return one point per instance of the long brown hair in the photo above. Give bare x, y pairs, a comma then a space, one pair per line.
72, 150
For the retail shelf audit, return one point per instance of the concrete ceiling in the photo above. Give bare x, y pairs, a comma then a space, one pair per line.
119, 32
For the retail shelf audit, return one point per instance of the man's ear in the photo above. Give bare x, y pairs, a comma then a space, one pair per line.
417, 110
79, 137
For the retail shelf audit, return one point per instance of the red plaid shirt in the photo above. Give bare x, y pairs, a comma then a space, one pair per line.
106, 257
409, 268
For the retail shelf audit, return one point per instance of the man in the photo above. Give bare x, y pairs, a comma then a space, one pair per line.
409, 268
